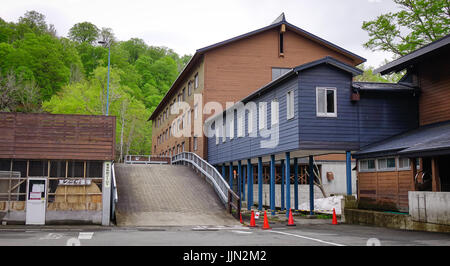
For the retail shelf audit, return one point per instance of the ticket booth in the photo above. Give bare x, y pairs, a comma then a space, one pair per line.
36, 200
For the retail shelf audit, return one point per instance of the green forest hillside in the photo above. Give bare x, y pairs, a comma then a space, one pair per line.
43, 72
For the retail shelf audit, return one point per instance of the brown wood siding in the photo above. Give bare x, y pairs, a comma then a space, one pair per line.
48, 136
234, 71
385, 190
434, 82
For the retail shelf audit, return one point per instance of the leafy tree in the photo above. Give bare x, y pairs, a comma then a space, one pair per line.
106, 35
418, 23
369, 76
84, 32
35, 22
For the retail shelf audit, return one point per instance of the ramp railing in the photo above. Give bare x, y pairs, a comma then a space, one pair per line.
146, 159
222, 188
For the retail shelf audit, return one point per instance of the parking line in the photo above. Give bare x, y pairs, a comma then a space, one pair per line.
85, 235
309, 238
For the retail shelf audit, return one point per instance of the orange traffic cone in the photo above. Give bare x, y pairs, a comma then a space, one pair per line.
266, 222
252, 220
334, 217
240, 218
291, 219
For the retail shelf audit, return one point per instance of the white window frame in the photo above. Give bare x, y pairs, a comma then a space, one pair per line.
326, 114
231, 127
240, 124
361, 169
290, 112
195, 143
250, 121
262, 115
387, 169
196, 81
403, 168
224, 133
195, 112
274, 112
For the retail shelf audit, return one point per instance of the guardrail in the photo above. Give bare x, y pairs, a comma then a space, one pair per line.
146, 159
222, 188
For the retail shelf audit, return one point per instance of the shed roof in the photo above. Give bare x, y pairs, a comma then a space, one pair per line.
278, 22
415, 56
383, 87
427, 140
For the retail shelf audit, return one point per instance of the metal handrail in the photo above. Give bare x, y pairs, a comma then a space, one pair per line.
220, 185
146, 159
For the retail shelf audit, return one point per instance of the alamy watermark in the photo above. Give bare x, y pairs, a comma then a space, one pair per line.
252, 120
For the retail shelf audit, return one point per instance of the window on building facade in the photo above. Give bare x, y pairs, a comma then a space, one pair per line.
196, 81
189, 114
195, 143
326, 101
290, 104
281, 45
189, 88
404, 164
184, 94
274, 111
196, 112
367, 165
262, 112
250, 121
278, 72
386, 164
224, 135
240, 124
231, 126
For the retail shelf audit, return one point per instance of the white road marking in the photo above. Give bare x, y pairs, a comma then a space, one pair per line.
51, 236
309, 238
85, 235
240, 232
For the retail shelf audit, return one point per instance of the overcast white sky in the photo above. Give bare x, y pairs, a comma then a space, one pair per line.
186, 26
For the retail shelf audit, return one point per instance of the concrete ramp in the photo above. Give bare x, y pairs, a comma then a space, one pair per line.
166, 195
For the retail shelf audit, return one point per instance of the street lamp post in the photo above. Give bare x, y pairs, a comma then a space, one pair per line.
107, 86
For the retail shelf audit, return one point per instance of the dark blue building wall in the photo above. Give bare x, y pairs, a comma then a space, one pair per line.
384, 114
240, 148
327, 133
376, 116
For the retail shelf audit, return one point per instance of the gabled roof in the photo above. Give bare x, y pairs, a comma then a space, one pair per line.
277, 23
328, 60
427, 140
414, 57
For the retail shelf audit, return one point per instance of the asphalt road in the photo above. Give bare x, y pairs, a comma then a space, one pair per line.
301, 235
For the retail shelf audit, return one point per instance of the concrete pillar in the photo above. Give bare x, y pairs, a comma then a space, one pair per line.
348, 164
106, 192
260, 184
288, 183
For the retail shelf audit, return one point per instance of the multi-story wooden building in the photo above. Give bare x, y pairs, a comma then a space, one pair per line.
230, 70
417, 160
